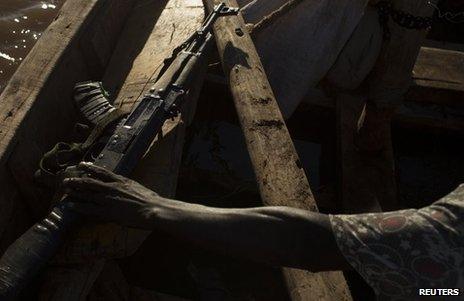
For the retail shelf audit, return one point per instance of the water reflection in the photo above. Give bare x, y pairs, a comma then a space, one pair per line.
21, 24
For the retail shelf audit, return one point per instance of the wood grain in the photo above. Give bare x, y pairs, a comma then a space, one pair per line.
152, 31
438, 77
36, 106
281, 179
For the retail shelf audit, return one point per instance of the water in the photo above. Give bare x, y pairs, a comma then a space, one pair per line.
21, 25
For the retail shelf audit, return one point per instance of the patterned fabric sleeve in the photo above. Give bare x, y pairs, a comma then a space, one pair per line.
399, 252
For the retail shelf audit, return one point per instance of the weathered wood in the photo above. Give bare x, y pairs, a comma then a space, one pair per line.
438, 77
36, 107
281, 179
153, 30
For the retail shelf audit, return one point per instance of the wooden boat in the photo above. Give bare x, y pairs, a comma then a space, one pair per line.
123, 43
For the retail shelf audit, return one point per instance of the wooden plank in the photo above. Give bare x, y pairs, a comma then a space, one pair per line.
438, 77
153, 30
441, 67
281, 179
56, 92
57, 48
37, 109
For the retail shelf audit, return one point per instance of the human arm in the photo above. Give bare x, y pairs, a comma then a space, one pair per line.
279, 236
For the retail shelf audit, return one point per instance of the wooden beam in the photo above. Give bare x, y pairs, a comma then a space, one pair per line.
153, 30
281, 179
438, 77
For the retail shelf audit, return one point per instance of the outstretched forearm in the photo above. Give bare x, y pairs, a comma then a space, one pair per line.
279, 236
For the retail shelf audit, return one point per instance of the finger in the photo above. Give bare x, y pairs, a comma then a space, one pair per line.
99, 172
86, 184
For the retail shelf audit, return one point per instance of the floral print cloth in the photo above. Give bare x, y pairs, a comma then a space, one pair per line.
400, 252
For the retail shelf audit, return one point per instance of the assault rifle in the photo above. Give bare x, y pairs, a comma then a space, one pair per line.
116, 143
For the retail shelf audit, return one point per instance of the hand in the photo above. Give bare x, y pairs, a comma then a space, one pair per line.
103, 195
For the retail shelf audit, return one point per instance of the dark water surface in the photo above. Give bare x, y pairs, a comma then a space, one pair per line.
21, 24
